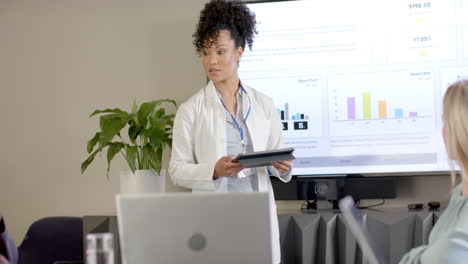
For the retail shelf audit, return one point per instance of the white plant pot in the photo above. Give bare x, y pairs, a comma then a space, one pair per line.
143, 181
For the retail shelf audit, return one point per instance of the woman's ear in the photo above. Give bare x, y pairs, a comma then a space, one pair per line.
239, 53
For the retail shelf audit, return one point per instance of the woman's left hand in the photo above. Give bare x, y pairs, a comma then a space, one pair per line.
282, 166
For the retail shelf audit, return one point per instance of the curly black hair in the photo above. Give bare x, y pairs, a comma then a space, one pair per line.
231, 15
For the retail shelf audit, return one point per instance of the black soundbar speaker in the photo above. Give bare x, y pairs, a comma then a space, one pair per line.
308, 188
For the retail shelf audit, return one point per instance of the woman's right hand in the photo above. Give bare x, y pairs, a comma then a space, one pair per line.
3, 260
225, 167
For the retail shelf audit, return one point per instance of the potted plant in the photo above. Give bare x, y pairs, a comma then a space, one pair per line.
149, 133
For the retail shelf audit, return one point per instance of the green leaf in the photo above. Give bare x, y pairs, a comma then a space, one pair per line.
169, 142
162, 122
93, 142
131, 157
169, 120
147, 108
145, 153
144, 111
126, 119
171, 116
110, 126
154, 158
158, 123
90, 158
156, 137
133, 132
108, 110
160, 113
86, 163
113, 149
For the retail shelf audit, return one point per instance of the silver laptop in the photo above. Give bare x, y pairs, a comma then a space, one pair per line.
353, 220
176, 228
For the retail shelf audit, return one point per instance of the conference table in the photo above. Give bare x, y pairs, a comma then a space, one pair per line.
320, 236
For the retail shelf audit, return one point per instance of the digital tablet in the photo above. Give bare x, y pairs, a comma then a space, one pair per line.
264, 158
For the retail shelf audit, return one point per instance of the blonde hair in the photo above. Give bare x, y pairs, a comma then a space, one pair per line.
455, 119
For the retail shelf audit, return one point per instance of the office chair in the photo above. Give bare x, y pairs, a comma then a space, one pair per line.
53, 240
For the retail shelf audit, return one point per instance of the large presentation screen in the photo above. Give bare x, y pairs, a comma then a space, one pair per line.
359, 83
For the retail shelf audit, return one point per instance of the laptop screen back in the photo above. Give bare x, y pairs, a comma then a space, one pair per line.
194, 228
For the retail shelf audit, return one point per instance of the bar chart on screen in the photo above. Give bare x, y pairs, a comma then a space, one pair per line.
300, 121
298, 102
381, 103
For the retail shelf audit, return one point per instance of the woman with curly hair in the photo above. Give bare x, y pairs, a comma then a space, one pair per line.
226, 117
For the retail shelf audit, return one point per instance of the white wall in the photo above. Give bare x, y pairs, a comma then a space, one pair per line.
60, 60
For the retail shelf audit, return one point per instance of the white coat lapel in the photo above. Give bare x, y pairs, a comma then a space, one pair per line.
214, 100
214, 143
218, 121
257, 122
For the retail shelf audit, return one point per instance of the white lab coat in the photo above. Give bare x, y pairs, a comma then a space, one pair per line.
199, 141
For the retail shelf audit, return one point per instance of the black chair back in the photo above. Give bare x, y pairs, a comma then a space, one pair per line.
53, 239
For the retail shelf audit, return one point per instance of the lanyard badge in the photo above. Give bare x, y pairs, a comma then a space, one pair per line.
238, 127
